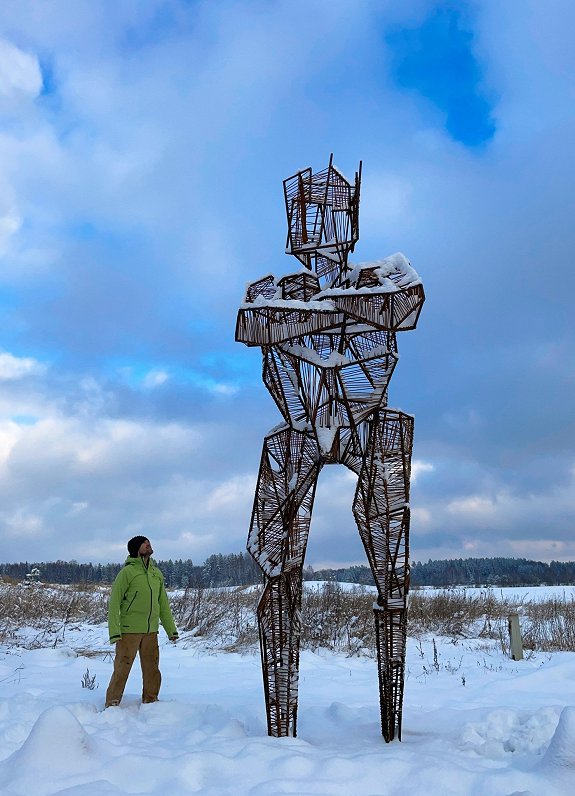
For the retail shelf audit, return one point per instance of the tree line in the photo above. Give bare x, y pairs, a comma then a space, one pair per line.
467, 572
217, 570
239, 569
493, 572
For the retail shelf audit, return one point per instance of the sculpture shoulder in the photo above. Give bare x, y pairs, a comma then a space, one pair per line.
387, 294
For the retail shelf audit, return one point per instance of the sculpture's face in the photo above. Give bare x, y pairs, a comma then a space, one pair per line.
312, 382
323, 221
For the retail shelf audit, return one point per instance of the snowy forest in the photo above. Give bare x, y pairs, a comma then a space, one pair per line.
238, 569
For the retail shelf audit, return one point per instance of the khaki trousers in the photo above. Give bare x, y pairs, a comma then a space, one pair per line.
126, 648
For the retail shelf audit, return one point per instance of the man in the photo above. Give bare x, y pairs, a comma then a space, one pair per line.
138, 603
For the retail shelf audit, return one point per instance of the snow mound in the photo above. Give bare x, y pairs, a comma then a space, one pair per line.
57, 744
560, 756
58, 741
510, 732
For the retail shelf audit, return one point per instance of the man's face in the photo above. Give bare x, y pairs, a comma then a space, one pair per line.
145, 549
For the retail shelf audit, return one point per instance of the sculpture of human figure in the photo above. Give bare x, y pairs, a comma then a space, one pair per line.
328, 339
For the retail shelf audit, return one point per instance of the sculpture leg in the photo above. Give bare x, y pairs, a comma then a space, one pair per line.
381, 510
277, 540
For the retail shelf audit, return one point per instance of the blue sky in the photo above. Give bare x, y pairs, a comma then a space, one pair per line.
142, 150
434, 57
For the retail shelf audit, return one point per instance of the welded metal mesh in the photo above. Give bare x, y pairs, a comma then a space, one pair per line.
327, 362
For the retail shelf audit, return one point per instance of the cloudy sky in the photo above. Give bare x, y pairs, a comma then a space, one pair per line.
143, 145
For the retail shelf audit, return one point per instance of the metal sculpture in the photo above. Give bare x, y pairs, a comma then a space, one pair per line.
328, 340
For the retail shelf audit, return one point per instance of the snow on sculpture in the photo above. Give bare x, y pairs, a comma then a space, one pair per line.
328, 339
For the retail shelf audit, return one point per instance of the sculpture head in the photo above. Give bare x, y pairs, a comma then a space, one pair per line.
323, 220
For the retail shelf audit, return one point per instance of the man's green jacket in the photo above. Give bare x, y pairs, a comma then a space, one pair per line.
138, 602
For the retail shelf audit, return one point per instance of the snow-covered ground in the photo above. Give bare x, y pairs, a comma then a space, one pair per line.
523, 593
475, 723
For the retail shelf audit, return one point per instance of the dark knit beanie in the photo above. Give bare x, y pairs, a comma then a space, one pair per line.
135, 544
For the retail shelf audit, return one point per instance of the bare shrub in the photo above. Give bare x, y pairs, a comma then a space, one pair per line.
38, 604
88, 680
546, 625
224, 616
338, 620
49, 610
332, 617
457, 613
550, 625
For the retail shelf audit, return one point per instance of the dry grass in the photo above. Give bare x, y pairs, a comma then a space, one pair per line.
550, 625
222, 616
457, 613
49, 610
339, 620
332, 618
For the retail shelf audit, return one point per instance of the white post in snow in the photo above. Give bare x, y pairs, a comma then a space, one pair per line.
515, 637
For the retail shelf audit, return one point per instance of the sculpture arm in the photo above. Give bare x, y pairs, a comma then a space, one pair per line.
395, 311
386, 295
269, 324
275, 311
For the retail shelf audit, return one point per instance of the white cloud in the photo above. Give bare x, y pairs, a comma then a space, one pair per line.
543, 549
420, 518
418, 466
102, 154
22, 523
497, 520
10, 223
20, 73
12, 368
10, 433
88, 481
81, 447
155, 378
221, 388
78, 508
236, 493
473, 505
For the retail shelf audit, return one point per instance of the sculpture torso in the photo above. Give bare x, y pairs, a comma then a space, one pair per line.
331, 379
329, 354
